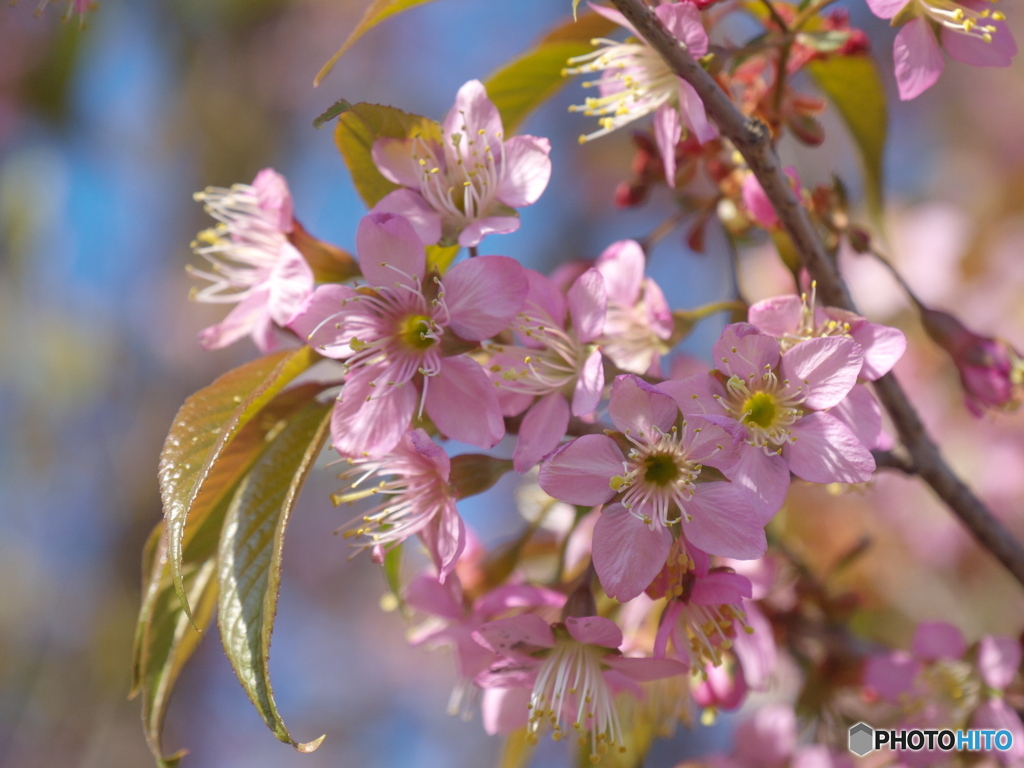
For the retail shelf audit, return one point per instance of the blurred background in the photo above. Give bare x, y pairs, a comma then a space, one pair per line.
104, 134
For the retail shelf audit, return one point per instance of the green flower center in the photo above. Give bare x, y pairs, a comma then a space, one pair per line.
414, 331
660, 469
760, 409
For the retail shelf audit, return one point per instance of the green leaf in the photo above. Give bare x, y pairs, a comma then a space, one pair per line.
393, 574
375, 14
440, 257
249, 557
854, 86
517, 750
330, 113
525, 83
192, 475
360, 126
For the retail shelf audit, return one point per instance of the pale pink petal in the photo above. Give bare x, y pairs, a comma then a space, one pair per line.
744, 350
521, 634
472, 112
504, 710
317, 318
541, 431
720, 520
891, 675
267, 336
431, 451
970, 49
546, 296
882, 345
580, 541
996, 715
463, 403
816, 756
579, 471
714, 440
644, 670
291, 282
721, 588
445, 538
638, 407
273, 196
668, 129
427, 595
237, 324
589, 385
691, 109
758, 206
862, 414
588, 305
492, 225
886, 9
627, 554
483, 295
394, 159
622, 266
938, 640
825, 369
614, 16
723, 689
918, 58
777, 316
765, 477
826, 451
769, 737
527, 170
683, 21
371, 426
756, 651
411, 205
594, 630
695, 395
998, 660
659, 314
389, 250
509, 596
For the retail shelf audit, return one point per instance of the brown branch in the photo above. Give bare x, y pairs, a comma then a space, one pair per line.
752, 140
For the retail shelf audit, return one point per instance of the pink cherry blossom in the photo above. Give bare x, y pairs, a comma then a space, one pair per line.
557, 368
468, 184
639, 321
635, 81
573, 669
658, 482
394, 337
252, 263
758, 206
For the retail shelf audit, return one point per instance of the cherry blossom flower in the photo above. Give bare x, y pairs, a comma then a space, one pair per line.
779, 400
400, 339
635, 81
574, 670
468, 184
969, 31
252, 264
557, 368
659, 484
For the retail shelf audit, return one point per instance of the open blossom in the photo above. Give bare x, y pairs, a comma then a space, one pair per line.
969, 31
573, 671
557, 367
638, 322
658, 482
393, 336
252, 264
776, 401
468, 184
635, 81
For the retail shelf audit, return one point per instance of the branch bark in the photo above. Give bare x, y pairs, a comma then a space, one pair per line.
752, 140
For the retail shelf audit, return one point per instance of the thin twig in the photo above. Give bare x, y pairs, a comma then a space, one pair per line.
752, 140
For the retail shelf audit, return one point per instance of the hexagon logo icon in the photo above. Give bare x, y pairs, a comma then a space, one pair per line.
862, 739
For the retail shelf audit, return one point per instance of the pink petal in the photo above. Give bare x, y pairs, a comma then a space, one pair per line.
427, 595
375, 426
627, 554
882, 345
579, 471
291, 281
691, 109
273, 196
483, 295
644, 670
683, 21
758, 206
769, 737
744, 350
766, 479
638, 407
545, 296
594, 630
721, 521
721, 588
394, 160
973, 50
938, 640
998, 660
862, 414
541, 431
886, 9
756, 652
527, 170
695, 395
777, 316
315, 321
589, 385
723, 689
826, 451
588, 305
473, 112
504, 710
266, 335
420, 442
237, 324
918, 58
520, 634
825, 368
388, 246
463, 403
445, 538
492, 225
621, 265
614, 16
659, 314
891, 675
505, 598
668, 129
411, 205
997, 715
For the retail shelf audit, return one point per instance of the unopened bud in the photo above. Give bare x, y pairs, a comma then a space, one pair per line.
630, 194
859, 239
580, 603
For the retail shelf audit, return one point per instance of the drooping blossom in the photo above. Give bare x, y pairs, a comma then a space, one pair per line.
655, 471
417, 500
635, 81
573, 671
557, 367
638, 323
469, 183
969, 31
399, 337
252, 264
779, 400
